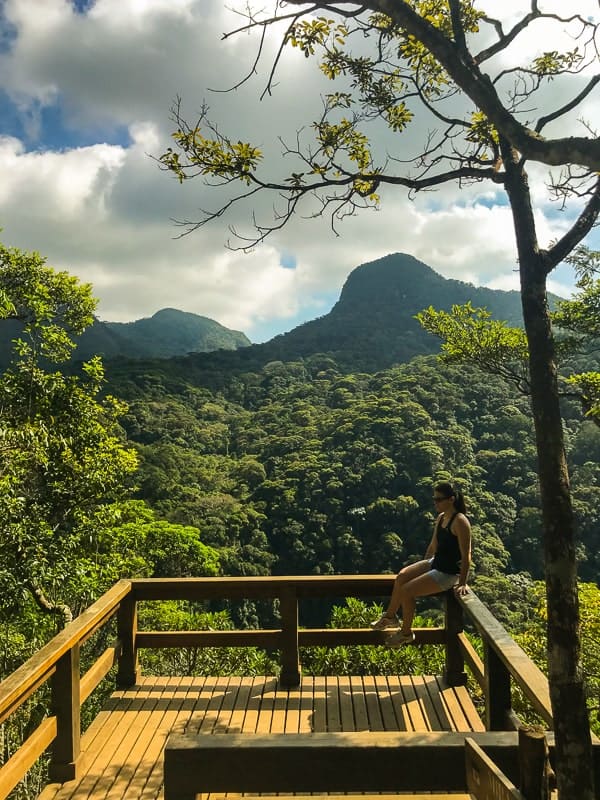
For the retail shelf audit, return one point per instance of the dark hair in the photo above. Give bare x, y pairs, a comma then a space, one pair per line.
448, 490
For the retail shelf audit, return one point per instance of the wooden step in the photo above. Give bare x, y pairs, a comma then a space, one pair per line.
401, 796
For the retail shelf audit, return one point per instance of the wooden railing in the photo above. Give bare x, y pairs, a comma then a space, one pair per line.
59, 661
287, 639
503, 662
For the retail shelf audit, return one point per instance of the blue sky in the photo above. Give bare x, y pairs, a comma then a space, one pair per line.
85, 93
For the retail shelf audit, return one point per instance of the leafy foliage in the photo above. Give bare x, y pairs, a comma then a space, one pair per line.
533, 639
62, 461
303, 468
471, 336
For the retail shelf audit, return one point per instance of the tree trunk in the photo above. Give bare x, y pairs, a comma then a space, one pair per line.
574, 758
567, 690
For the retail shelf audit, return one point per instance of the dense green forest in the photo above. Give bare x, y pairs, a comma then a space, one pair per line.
304, 468
296, 467
301, 468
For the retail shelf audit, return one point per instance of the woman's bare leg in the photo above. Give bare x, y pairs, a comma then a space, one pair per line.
405, 575
419, 586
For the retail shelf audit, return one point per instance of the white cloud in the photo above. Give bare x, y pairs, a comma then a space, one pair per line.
103, 211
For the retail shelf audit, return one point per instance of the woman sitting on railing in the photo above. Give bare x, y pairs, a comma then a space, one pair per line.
446, 565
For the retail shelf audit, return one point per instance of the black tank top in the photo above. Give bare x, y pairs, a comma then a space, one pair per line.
447, 556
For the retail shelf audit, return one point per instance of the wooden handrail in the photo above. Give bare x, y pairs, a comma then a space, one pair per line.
98, 671
262, 586
515, 661
272, 639
21, 684
58, 660
32, 748
472, 658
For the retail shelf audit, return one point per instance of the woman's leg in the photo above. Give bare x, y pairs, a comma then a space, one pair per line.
405, 575
419, 586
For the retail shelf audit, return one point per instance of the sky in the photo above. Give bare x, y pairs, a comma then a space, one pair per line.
86, 88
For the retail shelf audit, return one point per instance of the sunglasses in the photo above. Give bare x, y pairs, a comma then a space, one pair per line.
440, 499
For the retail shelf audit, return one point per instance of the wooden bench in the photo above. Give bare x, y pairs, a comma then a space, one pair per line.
328, 762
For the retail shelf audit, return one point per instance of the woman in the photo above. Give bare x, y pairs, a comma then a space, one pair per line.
446, 565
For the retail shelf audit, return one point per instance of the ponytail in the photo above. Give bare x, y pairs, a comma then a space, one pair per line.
459, 502
448, 490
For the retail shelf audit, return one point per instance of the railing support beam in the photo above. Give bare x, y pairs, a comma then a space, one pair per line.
290, 655
497, 691
65, 704
129, 671
454, 671
536, 775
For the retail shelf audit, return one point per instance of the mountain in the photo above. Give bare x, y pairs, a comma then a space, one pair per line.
373, 326
370, 328
167, 333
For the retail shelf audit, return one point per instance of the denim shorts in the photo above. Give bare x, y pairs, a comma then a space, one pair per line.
444, 579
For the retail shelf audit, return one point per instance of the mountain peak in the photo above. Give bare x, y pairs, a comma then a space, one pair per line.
390, 280
169, 332
175, 313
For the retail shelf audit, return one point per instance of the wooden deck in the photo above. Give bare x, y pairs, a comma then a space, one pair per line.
124, 745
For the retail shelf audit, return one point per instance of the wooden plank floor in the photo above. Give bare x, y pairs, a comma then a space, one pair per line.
124, 745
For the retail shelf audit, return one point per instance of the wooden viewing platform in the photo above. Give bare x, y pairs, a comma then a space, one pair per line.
159, 736
124, 745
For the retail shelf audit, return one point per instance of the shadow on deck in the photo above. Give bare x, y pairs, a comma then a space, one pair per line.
124, 746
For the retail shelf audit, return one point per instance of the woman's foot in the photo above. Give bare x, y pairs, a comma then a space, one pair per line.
399, 639
385, 622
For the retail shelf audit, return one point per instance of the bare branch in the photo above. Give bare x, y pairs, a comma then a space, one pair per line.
505, 38
252, 69
583, 225
568, 106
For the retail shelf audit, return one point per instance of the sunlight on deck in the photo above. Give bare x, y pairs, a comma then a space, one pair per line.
124, 745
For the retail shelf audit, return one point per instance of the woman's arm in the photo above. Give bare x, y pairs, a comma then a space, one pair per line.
462, 529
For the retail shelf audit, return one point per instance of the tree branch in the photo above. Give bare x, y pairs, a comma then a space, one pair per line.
504, 38
568, 106
479, 88
583, 225
58, 609
351, 198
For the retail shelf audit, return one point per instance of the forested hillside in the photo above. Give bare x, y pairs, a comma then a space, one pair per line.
167, 333
301, 468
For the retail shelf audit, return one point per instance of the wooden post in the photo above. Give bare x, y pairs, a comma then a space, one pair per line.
454, 672
129, 671
290, 656
65, 705
497, 691
536, 775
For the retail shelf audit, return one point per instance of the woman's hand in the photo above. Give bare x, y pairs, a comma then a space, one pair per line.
461, 589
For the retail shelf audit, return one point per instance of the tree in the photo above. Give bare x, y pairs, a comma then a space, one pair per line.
470, 336
63, 463
435, 60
